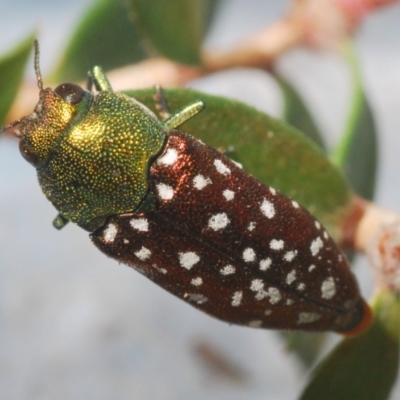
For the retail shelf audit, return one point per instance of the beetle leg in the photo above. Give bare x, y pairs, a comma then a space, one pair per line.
60, 221
172, 121
98, 78
183, 115
161, 103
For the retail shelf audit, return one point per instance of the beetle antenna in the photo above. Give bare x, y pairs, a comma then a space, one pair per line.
37, 66
9, 126
39, 83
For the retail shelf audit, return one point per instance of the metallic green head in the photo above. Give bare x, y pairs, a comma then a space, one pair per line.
91, 150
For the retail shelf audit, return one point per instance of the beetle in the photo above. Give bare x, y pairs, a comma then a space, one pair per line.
182, 213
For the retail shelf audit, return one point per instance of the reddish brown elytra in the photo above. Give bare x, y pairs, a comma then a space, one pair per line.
234, 248
183, 214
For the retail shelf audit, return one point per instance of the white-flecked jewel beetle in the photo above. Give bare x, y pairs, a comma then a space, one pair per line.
183, 214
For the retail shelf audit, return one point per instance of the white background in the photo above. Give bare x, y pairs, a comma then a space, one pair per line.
76, 325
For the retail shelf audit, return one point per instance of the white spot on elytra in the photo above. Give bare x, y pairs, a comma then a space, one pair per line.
195, 297
161, 270
274, 295
301, 286
221, 167
228, 194
295, 204
275, 244
188, 259
110, 233
308, 317
317, 225
311, 267
267, 208
126, 241
169, 158
257, 285
143, 253
165, 192
267, 312
197, 281
200, 182
261, 295
316, 246
237, 299
249, 255
255, 324
326, 236
289, 302
140, 224
272, 190
328, 288
290, 255
228, 270
291, 277
265, 264
218, 221
237, 164
252, 226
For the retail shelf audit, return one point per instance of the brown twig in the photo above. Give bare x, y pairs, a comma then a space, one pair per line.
375, 231
259, 50
313, 23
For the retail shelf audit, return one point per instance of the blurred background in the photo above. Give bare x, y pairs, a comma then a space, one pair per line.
76, 325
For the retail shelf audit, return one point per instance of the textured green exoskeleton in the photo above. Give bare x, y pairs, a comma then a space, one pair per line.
92, 150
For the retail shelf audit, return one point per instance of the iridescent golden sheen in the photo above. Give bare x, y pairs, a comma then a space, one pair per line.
95, 156
45, 125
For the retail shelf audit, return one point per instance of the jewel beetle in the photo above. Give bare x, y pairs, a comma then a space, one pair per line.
183, 214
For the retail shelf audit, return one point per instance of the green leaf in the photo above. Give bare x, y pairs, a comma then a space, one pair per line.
306, 345
105, 36
357, 150
269, 149
12, 67
175, 29
296, 113
364, 367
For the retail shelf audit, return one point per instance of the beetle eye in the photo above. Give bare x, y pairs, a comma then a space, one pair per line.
70, 92
28, 154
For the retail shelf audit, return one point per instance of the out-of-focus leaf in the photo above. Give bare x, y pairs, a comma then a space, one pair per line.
105, 36
296, 113
357, 150
360, 166
364, 367
306, 345
175, 29
210, 8
12, 67
269, 149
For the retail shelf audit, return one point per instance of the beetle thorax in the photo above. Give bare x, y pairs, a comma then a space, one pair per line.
100, 166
